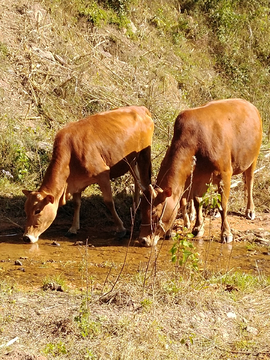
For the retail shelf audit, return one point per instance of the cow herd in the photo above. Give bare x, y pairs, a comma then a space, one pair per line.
210, 143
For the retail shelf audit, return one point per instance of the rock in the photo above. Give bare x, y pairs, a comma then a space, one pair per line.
252, 330
54, 243
231, 315
52, 286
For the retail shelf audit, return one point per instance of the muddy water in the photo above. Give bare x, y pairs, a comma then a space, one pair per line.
57, 258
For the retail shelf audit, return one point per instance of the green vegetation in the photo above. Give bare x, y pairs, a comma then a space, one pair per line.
57, 283
183, 252
58, 349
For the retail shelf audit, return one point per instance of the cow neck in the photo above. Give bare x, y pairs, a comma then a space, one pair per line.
173, 174
55, 181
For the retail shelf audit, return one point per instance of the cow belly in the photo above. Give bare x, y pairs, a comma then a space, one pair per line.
119, 169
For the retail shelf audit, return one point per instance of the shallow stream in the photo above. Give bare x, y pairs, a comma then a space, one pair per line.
59, 259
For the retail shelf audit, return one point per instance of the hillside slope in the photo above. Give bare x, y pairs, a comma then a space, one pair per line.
60, 61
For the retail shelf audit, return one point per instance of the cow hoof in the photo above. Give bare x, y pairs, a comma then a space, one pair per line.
250, 214
168, 235
198, 232
145, 242
226, 239
216, 214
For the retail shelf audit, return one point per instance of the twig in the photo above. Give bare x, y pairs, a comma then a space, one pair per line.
105, 281
10, 342
146, 270
242, 352
125, 259
12, 222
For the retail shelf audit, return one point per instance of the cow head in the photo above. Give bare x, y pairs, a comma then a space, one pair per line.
40, 209
158, 209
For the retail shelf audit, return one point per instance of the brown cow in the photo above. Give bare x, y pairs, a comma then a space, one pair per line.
92, 150
210, 143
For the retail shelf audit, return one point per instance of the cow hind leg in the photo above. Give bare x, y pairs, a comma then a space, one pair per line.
249, 180
105, 187
136, 176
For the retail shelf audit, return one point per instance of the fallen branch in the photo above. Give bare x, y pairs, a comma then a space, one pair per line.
12, 222
243, 352
10, 342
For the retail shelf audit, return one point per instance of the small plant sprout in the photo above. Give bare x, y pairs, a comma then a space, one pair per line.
211, 199
183, 252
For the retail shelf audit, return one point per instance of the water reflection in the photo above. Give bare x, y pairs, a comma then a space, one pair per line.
34, 248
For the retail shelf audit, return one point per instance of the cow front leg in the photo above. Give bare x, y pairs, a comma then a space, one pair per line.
224, 190
188, 212
76, 217
198, 229
137, 186
143, 170
185, 214
105, 187
249, 179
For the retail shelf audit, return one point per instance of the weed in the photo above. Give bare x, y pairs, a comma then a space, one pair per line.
89, 355
88, 328
57, 349
183, 252
244, 282
146, 304
211, 199
7, 288
54, 283
3, 50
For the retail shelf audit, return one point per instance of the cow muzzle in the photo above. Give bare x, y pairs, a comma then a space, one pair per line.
149, 241
29, 239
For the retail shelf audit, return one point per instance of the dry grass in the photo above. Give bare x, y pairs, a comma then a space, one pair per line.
169, 318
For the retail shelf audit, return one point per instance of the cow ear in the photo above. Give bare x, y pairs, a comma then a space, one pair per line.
49, 199
168, 192
26, 192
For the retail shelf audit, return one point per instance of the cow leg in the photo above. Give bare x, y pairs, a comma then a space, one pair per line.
76, 217
198, 229
249, 178
105, 187
192, 210
185, 213
144, 168
224, 190
136, 176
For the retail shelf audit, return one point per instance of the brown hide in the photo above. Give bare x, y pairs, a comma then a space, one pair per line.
92, 150
210, 144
